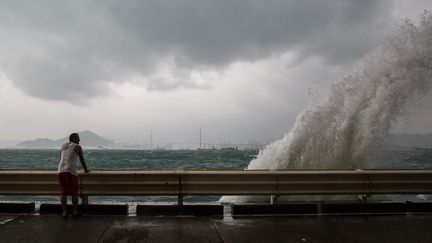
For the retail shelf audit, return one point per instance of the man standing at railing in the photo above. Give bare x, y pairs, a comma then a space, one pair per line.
67, 173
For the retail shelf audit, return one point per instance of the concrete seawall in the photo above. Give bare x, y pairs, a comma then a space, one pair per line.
321, 208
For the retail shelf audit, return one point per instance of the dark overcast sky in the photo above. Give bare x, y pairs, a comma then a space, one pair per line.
242, 69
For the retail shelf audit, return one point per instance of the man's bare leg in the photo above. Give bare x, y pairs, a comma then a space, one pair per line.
63, 201
75, 204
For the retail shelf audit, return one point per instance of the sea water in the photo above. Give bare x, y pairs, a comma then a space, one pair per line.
29, 159
45, 159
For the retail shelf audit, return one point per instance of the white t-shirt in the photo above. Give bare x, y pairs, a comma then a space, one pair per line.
68, 158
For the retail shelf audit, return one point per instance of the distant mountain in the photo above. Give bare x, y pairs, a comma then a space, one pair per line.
38, 143
91, 139
409, 140
88, 139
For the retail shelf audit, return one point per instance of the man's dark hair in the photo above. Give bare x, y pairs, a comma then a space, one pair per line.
73, 136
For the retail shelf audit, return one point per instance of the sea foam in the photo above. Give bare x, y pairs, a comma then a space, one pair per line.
360, 109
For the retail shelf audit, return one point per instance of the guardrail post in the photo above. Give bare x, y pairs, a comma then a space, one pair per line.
180, 194
274, 199
84, 200
180, 200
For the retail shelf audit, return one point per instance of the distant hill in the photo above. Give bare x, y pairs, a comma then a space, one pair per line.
88, 139
409, 140
92, 140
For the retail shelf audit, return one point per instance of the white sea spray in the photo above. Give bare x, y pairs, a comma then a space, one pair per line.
361, 107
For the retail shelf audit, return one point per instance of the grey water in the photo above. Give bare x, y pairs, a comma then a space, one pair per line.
45, 159
26, 159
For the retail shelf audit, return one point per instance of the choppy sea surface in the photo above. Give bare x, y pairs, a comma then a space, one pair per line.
131, 159
29, 159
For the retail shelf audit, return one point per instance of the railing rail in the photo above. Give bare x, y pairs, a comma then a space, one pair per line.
249, 182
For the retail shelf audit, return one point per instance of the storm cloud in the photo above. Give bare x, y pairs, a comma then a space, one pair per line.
72, 50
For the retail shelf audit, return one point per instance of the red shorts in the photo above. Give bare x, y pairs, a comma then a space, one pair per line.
68, 183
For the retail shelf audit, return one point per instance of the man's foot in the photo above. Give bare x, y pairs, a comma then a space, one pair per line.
64, 214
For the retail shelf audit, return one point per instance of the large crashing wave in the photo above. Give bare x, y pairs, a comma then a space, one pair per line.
360, 109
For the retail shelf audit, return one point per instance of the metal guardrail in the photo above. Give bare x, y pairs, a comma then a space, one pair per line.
249, 182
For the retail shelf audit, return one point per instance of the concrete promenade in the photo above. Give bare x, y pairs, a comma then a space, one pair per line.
402, 228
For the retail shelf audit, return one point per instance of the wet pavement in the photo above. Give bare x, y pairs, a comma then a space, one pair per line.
332, 229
